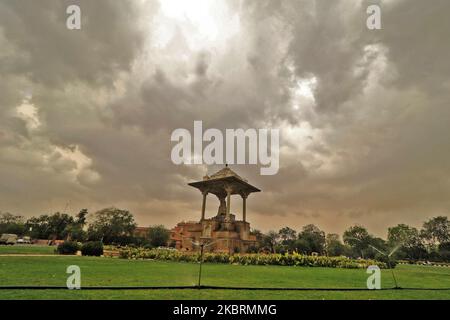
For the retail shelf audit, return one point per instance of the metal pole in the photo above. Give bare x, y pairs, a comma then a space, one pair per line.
392, 271
201, 261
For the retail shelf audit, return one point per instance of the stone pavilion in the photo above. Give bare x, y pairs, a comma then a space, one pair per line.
223, 232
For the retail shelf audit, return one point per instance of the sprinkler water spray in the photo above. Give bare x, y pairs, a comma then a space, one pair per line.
388, 255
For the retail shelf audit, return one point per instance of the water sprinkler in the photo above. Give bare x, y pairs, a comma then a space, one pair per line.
202, 246
388, 258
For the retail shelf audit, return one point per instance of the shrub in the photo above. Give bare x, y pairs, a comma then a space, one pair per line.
252, 249
444, 251
92, 248
159, 236
68, 247
122, 240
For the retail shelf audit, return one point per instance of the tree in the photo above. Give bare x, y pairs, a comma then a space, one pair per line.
49, 226
270, 240
436, 230
259, 241
158, 236
444, 251
8, 218
258, 234
400, 234
377, 249
75, 231
112, 225
287, 234
311, 239
301, 245
358, 239
407, 241
10, 223
81, 217
333, 245
287, 238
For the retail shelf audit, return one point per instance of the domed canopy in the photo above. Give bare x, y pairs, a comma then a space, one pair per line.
222, 180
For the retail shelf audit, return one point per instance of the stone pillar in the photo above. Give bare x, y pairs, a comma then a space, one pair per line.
244, 206
228, 190
204, 193
222, 207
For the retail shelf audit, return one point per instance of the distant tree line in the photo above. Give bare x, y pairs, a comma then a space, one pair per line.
109, 225
116, 226
431, 242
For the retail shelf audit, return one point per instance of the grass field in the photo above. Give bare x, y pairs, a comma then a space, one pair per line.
27, 249
25, 270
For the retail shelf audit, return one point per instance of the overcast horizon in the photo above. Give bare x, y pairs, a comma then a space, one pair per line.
86, 115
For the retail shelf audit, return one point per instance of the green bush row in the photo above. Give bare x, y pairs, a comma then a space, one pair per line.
293, 259
68, 247
90, 248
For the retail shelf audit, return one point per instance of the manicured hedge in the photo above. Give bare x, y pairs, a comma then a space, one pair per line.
294, 259
92, 248
68, 247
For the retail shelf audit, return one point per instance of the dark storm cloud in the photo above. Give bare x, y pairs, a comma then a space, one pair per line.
48, 53
60, 73
368, 144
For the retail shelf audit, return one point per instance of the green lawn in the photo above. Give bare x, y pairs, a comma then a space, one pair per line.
27, 249
117, 272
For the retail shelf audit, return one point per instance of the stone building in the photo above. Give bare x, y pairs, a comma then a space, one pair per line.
222, 232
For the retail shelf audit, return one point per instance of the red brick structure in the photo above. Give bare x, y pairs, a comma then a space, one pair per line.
222, 233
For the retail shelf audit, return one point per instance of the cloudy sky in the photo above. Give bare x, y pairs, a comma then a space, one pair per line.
86, 115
